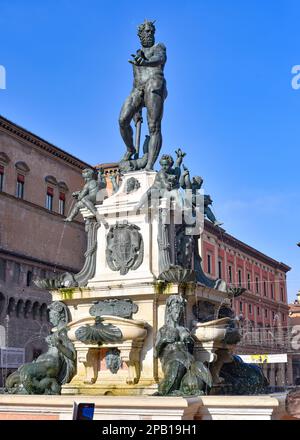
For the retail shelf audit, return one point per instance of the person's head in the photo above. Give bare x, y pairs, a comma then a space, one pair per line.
174, 309
58, 313
166, 162
146, 33
88, 173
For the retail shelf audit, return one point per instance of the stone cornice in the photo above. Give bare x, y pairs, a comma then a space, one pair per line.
24, 135
243, 247
38, 261
262, 301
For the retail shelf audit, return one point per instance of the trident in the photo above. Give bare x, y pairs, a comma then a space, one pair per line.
138, 120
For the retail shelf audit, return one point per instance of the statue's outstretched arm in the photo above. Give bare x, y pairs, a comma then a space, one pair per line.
158, 58
185, 180
180, 155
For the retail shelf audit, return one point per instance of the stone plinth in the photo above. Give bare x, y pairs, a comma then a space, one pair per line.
261, 407
17, 407
128, 266
121, 207
92, 376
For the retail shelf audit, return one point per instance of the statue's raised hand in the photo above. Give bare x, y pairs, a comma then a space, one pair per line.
186, 171
180, 153
138, 60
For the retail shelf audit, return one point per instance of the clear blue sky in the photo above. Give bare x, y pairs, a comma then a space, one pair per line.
231, 106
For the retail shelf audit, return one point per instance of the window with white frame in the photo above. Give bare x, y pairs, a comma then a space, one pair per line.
49, 198
20, 186
61, 203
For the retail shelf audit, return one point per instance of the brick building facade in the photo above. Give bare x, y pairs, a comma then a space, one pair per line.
263, 309
36, 184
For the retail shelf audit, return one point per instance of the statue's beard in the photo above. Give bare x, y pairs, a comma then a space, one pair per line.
147, 40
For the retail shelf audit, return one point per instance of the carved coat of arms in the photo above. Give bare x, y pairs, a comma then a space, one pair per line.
125, 247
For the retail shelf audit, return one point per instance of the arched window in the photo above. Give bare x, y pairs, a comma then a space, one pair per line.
2, 303
4, 161
29, 278
35, 310
43, 312
22, 169
20, 308
51, 184
27, 308
63, 189
11, 306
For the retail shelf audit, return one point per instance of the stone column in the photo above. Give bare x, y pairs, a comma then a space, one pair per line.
290, 380
265, 370
281, 375
272, 376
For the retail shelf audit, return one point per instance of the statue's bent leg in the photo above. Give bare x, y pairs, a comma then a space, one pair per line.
132, 105
74, 212
154, 104
208, 212
91, 207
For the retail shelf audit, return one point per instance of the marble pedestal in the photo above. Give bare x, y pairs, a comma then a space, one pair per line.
140, 371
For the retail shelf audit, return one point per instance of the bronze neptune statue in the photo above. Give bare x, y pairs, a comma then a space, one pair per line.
149, 90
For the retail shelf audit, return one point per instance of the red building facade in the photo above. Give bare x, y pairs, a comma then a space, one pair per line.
263, 309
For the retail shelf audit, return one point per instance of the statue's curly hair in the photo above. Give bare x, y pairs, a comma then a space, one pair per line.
142, 26
62, 309
90, 171
168, 158
177, 301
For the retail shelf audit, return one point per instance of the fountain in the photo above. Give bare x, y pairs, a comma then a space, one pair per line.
141, 318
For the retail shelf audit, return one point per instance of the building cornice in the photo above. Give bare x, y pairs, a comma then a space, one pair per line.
22, 134
243, 247
263, 302
37, 261
106, 166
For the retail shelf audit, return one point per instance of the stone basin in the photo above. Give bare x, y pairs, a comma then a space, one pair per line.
211, 331
132, 329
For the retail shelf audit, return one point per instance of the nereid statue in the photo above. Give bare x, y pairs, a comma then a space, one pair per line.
50, 370
174, 347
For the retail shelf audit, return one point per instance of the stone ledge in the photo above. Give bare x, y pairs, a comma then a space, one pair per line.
146, 407
106, 407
